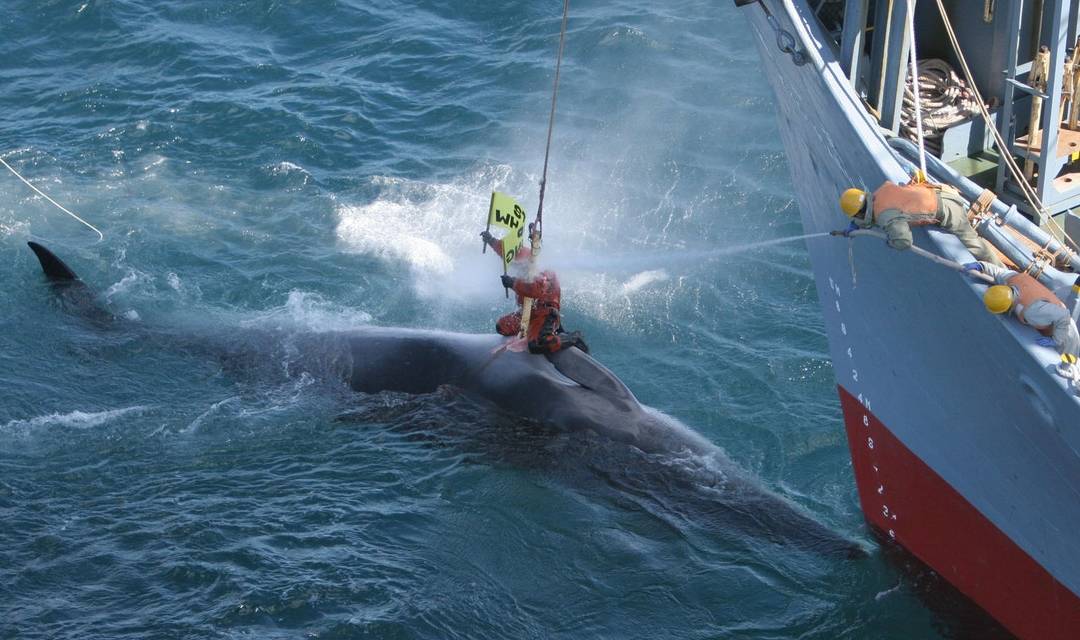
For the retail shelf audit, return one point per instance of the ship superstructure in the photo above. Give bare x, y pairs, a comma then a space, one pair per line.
964, 431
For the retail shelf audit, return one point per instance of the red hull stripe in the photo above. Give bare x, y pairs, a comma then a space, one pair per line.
904, 498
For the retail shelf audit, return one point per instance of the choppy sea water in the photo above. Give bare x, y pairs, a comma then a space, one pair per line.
268, 169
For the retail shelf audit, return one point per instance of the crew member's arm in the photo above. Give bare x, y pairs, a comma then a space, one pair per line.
492, 242
999, 273
523, 252
895, 225
530, 288
1065, 335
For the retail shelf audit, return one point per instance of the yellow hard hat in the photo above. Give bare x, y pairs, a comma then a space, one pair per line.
998, 298
852, 201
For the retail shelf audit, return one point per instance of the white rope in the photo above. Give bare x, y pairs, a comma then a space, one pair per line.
945, 101
101, 236
915, 90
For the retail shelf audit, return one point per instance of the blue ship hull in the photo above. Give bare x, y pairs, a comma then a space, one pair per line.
965, 444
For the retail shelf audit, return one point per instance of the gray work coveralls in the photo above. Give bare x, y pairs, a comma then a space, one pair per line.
951, 216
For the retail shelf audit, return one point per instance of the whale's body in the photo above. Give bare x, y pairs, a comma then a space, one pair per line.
569, 390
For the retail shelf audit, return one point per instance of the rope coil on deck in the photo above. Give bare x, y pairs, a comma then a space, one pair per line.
946, 100
1007, 158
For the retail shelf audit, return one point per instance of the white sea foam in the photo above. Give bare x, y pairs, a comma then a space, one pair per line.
213, 410
154, 161
285, 167
306, 310
126, 284
74, 419
644, 279
17, 227
881, 595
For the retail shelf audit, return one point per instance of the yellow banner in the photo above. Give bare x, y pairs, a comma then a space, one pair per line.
507, 213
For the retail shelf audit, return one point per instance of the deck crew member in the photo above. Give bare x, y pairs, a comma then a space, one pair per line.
545, 334
1032, 303
896, 208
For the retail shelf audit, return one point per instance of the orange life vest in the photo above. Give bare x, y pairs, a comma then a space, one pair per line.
546, 295
919, 202
1030, 291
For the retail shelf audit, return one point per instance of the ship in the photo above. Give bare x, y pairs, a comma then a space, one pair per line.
963, 430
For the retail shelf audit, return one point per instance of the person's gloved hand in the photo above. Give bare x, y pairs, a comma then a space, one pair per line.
487, 237
1068, 367
1045, 342
851, 227
507, 281
973, 266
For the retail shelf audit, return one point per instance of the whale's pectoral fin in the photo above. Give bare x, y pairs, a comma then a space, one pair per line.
582, 369
54, 267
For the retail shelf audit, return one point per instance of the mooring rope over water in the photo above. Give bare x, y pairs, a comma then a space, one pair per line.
101, 236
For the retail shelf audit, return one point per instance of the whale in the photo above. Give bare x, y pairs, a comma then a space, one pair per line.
75, 295
568, 390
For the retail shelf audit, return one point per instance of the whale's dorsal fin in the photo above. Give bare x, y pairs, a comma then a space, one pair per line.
73, 293
54, 267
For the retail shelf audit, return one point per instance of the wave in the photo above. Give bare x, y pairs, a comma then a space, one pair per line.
75, 419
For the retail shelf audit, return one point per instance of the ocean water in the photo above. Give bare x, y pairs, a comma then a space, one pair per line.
264, 170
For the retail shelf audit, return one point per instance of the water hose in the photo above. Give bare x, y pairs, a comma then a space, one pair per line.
923, 253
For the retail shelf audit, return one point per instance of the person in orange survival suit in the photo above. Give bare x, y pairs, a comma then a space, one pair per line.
510, 324
520, 258
545, 334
